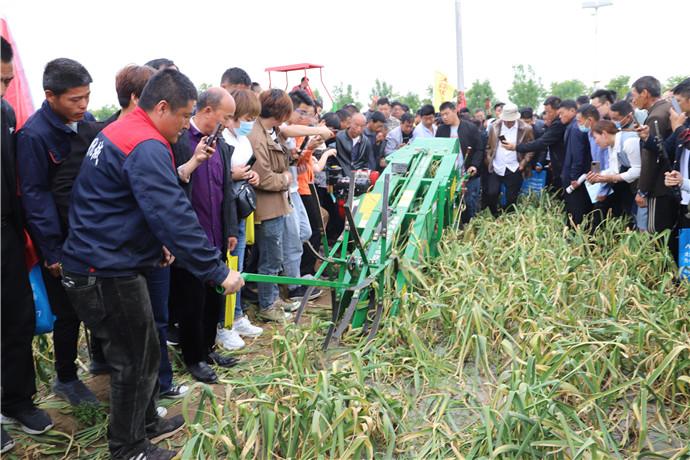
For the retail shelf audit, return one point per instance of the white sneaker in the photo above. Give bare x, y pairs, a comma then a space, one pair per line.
229, 339
245, 328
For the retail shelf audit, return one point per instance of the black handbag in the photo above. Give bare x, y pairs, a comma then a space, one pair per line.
245, 197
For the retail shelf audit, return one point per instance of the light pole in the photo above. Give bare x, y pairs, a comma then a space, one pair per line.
595, 5
458, 46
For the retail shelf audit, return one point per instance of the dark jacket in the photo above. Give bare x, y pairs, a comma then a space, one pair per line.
49, 155
127, 203
469, 136
11, 205
553, 140
350, 161
653, 166
183, 150
577, 154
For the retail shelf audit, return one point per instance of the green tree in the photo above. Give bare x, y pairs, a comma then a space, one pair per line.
568, 89
619, 84
673, 81
478, 93
203, 87
343, 95
382, 89
411, 100
527, 89
105, 112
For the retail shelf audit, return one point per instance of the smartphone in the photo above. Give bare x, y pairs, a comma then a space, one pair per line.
675, 105
251, 161
502, 138
214, 136
596, 167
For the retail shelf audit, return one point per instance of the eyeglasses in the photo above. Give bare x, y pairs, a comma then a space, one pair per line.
304, 113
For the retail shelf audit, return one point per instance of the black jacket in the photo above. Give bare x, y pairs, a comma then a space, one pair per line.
469, 136
553, 139
363, 158
11, 205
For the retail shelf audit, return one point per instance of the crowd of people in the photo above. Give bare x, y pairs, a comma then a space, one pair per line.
135, 217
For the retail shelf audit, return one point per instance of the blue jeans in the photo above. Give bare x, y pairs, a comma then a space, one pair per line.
269, 238
239, 252
297, 231
158, 282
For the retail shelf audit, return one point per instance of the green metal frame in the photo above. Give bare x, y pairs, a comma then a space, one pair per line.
423, 186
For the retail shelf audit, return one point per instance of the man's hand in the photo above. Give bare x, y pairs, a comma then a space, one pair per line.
472, 170
643, 132
508, 146
232, 243
203, 152
574, 184
55, 269
233, 283
673, 179
677, 119
167, 258
325, 133
640, 201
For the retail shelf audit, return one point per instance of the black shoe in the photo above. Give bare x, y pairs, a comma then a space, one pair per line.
152, 452
202, 372
7, 441
164, 428
32, 421
74, 392
295, 295
221, 361
99, 368
173, 338
175, 392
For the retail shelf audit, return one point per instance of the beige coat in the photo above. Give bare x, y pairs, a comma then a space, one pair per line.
272, 167
524, 134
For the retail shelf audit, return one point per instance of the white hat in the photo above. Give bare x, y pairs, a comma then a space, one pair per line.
510, 112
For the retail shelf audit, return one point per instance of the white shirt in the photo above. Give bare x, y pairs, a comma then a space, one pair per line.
243, 148
631, 149
506, 159
454, 131
685, 186
423, 131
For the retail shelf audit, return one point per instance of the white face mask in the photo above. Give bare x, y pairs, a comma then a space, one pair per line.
641, 115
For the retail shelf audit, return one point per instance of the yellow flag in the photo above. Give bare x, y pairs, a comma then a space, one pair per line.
443, 90
231, 299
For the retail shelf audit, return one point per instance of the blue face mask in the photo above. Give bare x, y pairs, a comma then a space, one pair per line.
245, 128
641, 115
583, 128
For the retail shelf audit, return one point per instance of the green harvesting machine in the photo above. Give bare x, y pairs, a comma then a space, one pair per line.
393, 224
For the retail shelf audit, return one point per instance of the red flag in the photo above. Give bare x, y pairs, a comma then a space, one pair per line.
18, 94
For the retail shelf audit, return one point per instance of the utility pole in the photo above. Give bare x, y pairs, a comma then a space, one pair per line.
595, 5
458, 46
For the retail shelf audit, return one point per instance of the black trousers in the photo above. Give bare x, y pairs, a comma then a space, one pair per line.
617, 204
336, 224
199, 307
577, 205
512, 181
118, 311
66, 330
663, 213
311, 205
18, 325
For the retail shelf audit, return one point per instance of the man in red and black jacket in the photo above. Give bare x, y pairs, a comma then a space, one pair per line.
127, 208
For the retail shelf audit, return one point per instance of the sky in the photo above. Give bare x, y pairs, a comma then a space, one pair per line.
402, 42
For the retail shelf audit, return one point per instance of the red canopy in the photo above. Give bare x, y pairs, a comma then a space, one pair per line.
18, 94
291, 67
